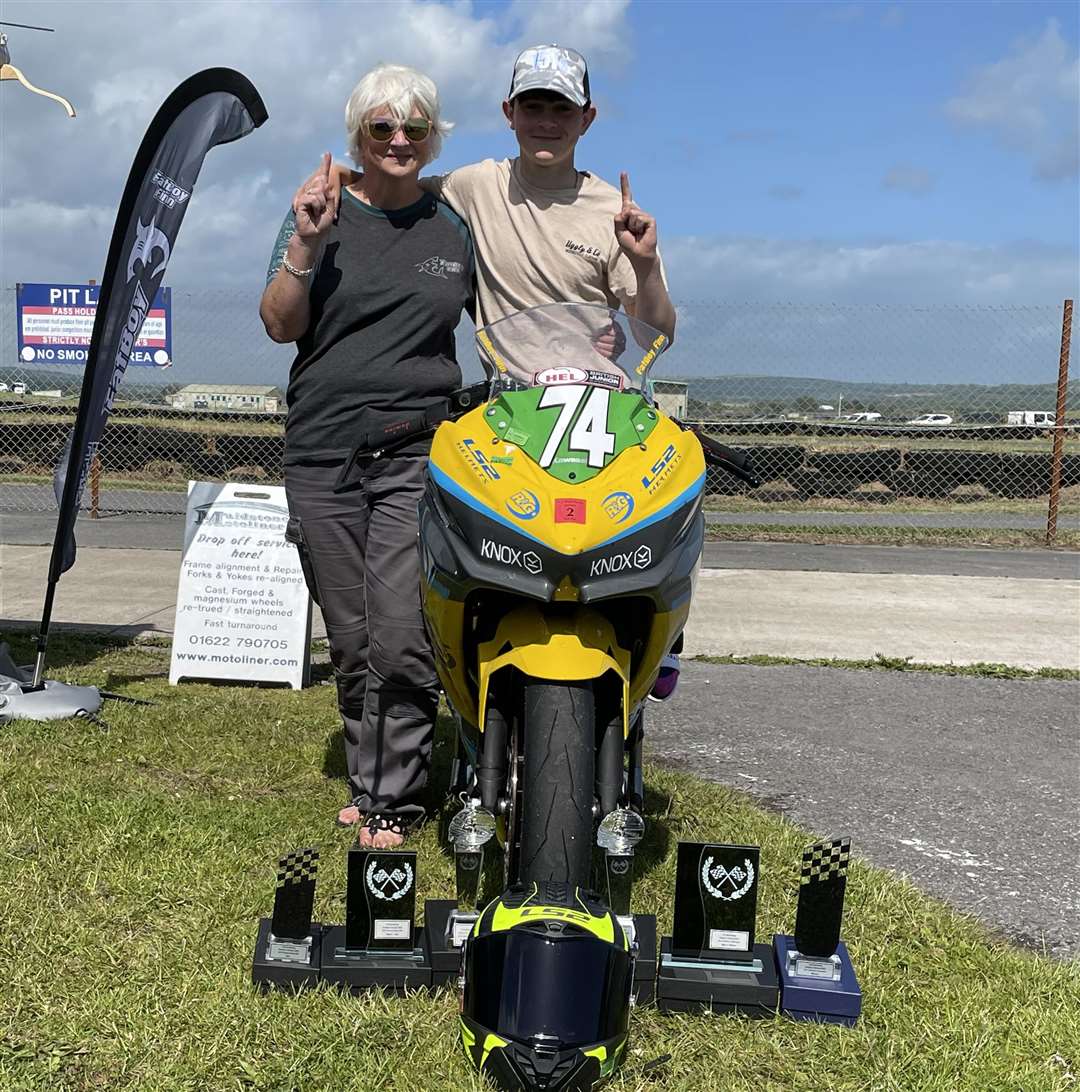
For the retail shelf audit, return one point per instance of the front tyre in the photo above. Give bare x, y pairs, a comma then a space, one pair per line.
557, 821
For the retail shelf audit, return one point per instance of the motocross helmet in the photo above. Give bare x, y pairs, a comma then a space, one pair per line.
547, 980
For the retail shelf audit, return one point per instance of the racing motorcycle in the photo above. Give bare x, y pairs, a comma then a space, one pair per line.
561, 531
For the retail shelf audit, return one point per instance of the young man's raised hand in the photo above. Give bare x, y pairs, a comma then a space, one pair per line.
635, 229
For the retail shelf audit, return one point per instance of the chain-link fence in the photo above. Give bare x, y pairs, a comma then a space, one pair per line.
853, 414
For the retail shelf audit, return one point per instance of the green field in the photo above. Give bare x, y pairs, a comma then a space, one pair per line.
138, 855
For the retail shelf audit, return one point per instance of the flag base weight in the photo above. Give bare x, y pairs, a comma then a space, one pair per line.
52, 701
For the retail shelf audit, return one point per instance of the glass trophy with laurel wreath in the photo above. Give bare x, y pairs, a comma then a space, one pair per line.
378, 946
711, 960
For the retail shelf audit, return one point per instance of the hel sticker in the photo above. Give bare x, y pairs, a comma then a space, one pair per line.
553, 377
524, 504
569, 510
618, 506
516, 436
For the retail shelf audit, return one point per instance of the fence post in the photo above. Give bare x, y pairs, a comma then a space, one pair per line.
95, 486
1059, 424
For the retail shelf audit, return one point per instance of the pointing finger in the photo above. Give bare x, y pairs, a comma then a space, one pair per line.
326, 165
624, 184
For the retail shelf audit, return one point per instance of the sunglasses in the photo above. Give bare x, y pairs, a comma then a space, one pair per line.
382, 130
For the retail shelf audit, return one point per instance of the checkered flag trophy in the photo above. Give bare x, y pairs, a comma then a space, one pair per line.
294, 898
821, 898
817, 980
288, 945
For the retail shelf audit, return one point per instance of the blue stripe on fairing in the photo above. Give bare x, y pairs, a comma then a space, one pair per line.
447, 483
656, 516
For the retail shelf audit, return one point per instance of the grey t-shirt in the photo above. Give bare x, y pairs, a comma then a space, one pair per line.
386, 296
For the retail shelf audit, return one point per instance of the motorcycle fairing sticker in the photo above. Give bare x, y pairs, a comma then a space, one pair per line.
572, 430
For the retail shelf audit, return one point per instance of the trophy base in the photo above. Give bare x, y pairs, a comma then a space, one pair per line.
295, 966
691, 985
360, 969
644, 988
823, 1000
443, 955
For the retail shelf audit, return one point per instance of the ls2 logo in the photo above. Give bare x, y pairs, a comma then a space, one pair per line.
661, 468
478, 460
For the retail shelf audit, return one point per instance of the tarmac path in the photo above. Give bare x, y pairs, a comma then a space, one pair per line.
966, 785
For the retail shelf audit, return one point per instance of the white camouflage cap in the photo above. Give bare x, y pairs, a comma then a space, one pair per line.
551, 68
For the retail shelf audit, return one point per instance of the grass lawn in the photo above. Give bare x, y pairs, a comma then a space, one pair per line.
868, 535
138, 857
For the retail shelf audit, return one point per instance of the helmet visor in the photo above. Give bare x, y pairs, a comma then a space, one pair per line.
571, 990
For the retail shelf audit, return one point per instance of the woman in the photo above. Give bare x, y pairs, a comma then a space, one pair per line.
371, 299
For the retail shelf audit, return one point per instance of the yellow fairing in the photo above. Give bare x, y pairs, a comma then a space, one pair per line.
654, 473
578, 646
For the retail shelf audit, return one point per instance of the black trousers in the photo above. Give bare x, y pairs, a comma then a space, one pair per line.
362, 565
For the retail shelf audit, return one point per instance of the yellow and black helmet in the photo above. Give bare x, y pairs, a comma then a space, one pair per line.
546, 1001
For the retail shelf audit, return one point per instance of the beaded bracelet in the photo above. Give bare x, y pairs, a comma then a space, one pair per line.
293, 270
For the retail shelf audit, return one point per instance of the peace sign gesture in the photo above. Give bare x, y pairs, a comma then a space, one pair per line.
312, 205
635, 230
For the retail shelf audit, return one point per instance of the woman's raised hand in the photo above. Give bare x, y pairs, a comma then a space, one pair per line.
314, 206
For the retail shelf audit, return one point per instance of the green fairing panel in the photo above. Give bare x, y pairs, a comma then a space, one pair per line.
517, 418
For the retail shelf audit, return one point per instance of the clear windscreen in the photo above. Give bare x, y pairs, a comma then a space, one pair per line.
579, 343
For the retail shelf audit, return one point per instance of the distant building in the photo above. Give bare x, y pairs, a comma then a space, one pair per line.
671, 397
227, 398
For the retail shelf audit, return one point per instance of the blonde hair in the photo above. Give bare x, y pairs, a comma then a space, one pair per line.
402, 89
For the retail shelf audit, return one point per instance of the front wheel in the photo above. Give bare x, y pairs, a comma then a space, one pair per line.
557, 821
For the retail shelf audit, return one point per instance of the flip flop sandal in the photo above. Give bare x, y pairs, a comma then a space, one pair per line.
353, 803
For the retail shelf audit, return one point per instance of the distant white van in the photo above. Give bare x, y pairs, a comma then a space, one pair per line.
856, 417
1031, 417
18, 388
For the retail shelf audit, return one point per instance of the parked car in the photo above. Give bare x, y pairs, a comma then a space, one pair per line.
931, 419
4, 388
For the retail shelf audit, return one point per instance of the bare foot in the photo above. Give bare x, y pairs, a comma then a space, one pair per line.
349, 816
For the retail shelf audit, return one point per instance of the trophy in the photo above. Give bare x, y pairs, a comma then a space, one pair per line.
617, 836
377, 945
711, 959
817, 980
448, 923
288, 946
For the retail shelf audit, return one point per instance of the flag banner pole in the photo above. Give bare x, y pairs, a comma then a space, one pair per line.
213, 107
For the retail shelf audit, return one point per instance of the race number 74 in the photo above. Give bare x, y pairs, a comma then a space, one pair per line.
587, 409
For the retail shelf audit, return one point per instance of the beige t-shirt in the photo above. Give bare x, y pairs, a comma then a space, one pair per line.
537, 246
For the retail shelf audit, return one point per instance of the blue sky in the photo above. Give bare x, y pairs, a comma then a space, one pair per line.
821, 153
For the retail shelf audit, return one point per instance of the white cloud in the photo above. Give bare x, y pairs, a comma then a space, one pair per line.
118, 61
815, 271
1029, 101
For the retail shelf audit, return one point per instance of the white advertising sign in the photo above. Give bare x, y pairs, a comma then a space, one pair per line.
242, 607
